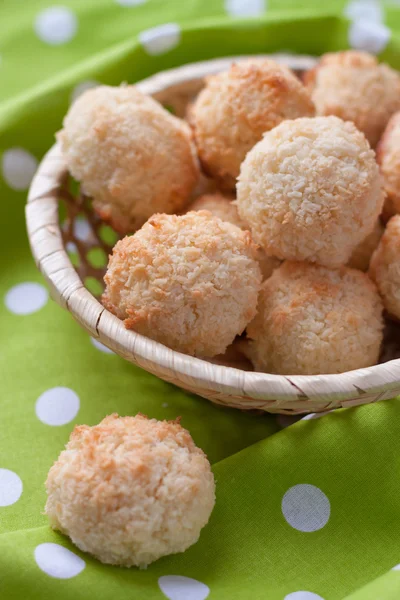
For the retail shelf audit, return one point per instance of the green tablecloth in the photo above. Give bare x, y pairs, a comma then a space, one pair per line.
306, 512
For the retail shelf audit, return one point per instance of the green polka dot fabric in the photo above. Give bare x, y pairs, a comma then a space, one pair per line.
305, 511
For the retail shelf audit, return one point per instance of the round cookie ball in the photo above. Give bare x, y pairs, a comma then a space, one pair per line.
385, 267
237, 106
388, 157
353, 86
311, 190
130, 490
313, 320
132, 156
190, 282
224, 208
361, 256
220, 206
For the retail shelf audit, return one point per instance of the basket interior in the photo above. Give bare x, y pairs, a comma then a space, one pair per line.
88, 241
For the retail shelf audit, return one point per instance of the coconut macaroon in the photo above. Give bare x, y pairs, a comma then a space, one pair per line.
353, 86
388, 157
130, 490
315, 320
311, 190
220, 206
190, 282
385, 267
131, 155
237, 106
224, 208
361, 256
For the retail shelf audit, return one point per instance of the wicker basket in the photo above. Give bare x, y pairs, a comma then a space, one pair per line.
221, 384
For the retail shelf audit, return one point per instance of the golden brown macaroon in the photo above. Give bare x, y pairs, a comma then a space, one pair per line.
190, 282
315, 320
237, 106
220, 206
385, 267
130, 490
353, 86
224, 208
131, 155
361, 256
311, 190
388, 157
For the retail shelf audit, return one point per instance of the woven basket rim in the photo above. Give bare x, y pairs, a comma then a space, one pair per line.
68, 290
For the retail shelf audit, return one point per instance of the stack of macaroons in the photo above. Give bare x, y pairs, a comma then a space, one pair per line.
282, 249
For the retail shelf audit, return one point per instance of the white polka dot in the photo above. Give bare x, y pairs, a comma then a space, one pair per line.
368, 36
10, 487
71, 247
316, 415
82, 87
82, 229
57, 406
177, 587
306, 507
245, 8
287, 420
396, 568
18, 167
56, 25
303, 596
57, 561
367, 10
164, 404
101, 346
130, 2
161, 39
26, 298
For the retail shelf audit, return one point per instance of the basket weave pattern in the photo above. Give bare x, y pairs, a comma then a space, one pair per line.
221, 384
